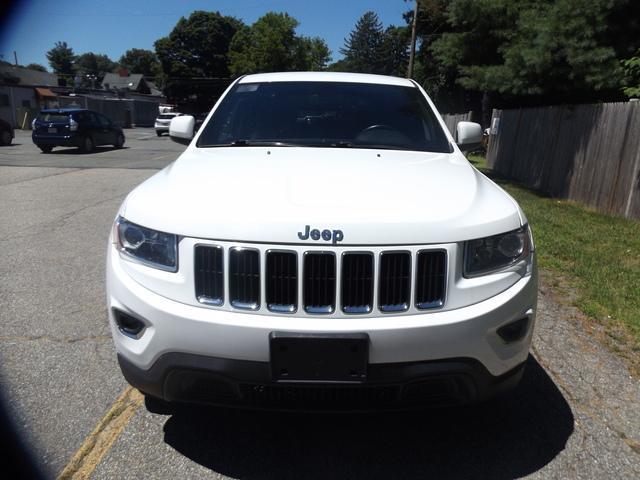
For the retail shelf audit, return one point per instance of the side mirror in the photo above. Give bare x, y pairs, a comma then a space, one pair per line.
469, 135
181, 129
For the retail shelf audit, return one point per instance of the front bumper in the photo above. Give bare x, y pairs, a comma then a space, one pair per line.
180, 377
191, 353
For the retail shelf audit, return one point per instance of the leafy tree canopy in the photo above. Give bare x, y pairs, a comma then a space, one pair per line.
197, 47
138, 60
631, 82
61, 58
312, 54
94, 64
37, 67
271, 44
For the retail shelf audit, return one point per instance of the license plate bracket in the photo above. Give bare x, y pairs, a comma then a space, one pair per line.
319, 358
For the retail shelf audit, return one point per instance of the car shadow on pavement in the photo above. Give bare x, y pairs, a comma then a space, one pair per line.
77, 151
509, 437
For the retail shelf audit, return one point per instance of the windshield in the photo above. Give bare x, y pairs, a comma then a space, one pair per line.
325, 114
54, 117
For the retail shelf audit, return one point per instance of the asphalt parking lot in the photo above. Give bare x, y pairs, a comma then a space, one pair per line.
575, 414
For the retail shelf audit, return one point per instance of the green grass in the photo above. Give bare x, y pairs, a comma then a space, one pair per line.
597, 254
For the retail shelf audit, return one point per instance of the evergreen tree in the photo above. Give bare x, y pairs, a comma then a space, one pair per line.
524, 52
362, 49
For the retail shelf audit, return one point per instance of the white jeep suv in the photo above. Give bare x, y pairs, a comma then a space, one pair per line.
322, 243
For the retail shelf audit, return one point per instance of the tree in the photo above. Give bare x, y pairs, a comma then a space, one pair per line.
394, 51
91, 68
338, 66
362, 47
313, 54
525, 52
436, 78
271, 44
94, 64
138, 60
631, 82
548, 50
197, 47
61, 58
37, 67
372, 49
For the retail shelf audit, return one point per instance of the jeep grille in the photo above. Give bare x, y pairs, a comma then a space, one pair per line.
318, 283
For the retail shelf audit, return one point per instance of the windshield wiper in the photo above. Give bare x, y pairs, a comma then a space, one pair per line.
344, 144
256, 143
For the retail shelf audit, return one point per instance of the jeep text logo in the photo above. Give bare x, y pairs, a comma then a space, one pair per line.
334, 235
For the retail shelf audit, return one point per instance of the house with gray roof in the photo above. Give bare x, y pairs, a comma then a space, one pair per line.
124, 80
23, 92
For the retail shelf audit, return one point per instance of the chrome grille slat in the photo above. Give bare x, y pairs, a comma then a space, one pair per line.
394, 281
282, 281
357, 282
209, 278
430, 279
244, 278
319, 286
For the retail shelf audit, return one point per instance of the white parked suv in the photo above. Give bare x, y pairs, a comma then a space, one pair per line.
163, 121
322, 243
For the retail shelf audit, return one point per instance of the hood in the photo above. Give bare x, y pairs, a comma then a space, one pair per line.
374, 197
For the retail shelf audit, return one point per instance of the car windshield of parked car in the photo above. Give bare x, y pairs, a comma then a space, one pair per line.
325, 114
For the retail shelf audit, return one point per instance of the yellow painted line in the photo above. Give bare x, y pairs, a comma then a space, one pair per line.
100, 441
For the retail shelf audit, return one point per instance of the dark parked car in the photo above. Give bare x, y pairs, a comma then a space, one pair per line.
74, 127
6, 132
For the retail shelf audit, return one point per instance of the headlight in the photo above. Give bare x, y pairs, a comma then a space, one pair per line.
153, 248
486, 255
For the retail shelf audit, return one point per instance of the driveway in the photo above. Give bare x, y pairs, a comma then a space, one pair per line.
575, 414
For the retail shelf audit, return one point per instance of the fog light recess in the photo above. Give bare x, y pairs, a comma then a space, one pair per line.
514, 331
128, 325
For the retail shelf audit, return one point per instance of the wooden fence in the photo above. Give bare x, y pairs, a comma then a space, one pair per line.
587, 153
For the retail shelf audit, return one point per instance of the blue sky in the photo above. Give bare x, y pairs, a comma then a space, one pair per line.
111, 27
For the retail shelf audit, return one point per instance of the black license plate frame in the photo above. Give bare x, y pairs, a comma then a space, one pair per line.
319, 357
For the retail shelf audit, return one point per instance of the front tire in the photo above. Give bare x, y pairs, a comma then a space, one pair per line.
45, 148
119, 141
87, 145
5, 137
159, 133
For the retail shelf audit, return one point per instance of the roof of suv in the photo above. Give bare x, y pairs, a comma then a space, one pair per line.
63, 110
327, 77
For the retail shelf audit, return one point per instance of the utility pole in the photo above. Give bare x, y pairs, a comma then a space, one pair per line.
15, 57
412, 51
